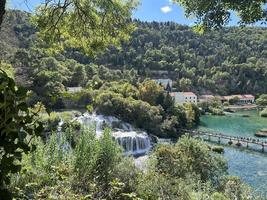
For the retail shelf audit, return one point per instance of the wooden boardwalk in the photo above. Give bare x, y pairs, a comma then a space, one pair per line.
239, 141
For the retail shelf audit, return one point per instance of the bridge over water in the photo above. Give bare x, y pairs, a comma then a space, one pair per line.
237, 140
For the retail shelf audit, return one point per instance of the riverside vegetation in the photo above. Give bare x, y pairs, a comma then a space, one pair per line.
74, 164
95, 169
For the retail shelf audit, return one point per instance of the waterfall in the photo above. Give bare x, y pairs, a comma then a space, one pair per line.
133, 142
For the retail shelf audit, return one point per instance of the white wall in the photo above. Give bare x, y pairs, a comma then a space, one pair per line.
181, 98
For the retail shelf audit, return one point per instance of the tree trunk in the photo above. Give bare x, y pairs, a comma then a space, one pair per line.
2, 11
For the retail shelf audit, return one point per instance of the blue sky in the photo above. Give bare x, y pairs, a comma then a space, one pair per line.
148, 10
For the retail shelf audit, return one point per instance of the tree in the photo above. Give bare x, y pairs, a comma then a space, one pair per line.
7, 68
234, 100
79, 76
190, 158
216, 13
262, 100
88, 25
150, 91
17, 126
185, 84
2, 11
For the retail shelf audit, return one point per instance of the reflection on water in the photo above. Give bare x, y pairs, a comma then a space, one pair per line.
250, 166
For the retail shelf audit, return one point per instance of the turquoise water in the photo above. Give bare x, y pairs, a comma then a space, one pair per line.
251, 166
234, 123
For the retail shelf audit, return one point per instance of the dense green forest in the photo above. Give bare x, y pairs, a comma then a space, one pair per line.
232, 60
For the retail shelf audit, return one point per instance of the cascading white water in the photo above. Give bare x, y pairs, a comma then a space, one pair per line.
132, 141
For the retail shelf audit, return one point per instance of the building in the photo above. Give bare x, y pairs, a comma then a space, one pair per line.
241, 99
184, 97
205, 98
74, 89
245, 99
166, 83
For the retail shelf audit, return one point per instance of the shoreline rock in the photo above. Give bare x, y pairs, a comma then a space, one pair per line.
261, 133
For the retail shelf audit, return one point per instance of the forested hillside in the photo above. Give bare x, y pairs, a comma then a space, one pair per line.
233, 60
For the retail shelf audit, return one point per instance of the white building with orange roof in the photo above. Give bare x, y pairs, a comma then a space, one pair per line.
242, 98
184, 97
246, 99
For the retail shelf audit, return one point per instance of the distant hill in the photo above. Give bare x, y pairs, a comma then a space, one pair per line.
16, 33
233, 60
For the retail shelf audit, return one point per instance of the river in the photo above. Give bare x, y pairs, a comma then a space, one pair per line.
251, 166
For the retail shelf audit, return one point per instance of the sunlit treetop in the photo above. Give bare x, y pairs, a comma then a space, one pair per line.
213, 14
89, 25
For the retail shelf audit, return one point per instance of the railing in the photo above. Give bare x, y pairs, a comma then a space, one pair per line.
239, 140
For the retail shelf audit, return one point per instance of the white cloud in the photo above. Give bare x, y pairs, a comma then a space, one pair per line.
166, 9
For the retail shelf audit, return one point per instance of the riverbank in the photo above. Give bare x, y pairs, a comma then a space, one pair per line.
241, 107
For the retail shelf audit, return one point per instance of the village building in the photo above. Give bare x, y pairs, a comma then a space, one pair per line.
245, 99
184, 97
242, 99
206, 98
74, 89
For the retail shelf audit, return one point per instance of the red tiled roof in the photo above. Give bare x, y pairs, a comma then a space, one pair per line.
240, 96
189, 93
207, 96
248, 96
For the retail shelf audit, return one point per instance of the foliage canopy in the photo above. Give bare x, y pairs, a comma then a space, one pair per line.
85, 24
216, 13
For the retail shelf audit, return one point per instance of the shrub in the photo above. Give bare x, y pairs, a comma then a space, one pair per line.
190, 157
84, 160
262, 100
233, 100
154, 185
233, 188
17, 126
263, 113
50, 121
226, 104
78, 99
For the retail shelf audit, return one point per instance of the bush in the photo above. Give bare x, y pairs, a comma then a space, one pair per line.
262, 100
233, 188
263, 113
233, 100
95, 169
226, 104
190, 157
154, 185
18, 126
78, 99
217, 149
217, 111
50, 121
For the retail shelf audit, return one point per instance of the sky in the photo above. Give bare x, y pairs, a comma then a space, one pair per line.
148, 10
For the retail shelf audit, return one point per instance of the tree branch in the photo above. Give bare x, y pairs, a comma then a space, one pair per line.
2, 11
